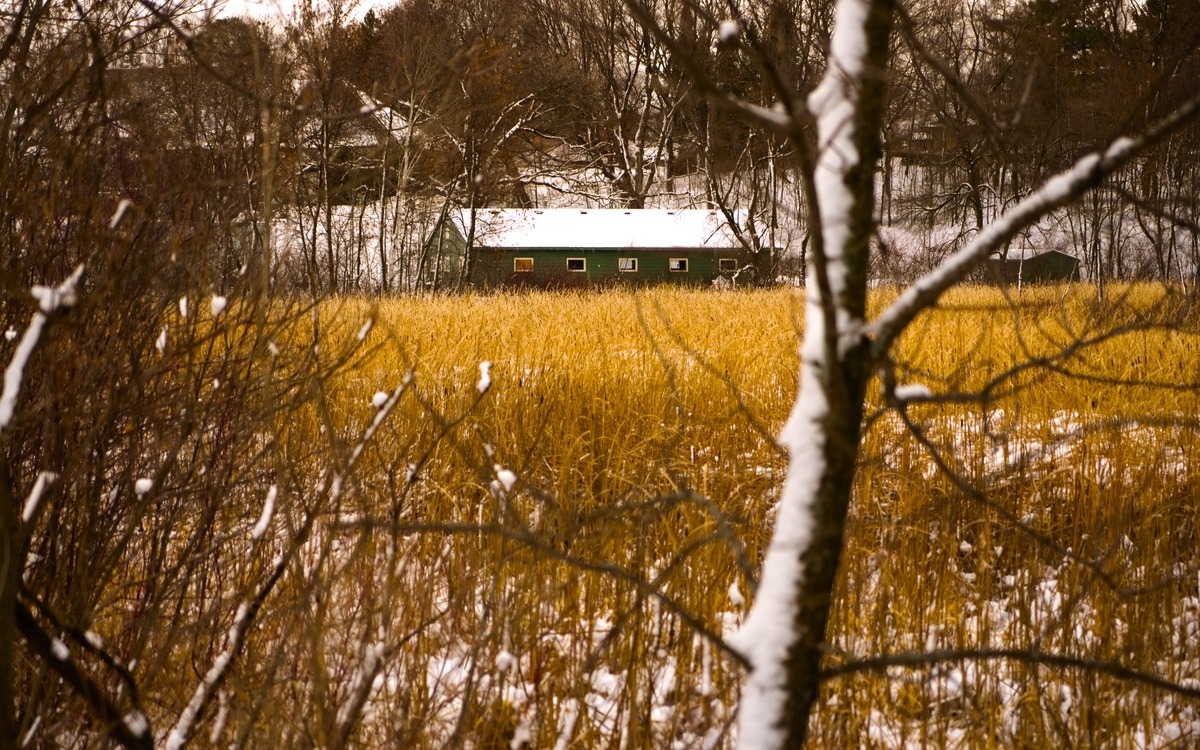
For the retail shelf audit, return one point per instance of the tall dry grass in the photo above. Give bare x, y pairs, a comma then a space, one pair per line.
1043, 501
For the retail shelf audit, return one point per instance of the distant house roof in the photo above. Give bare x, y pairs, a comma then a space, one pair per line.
389, 119
1017, 254
599, 228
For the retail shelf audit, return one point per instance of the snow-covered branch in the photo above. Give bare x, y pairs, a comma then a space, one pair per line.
769, 635
783, 633
374, 655
1058, 191
235, 640
129, 729
44, 480
49, 299
233, 644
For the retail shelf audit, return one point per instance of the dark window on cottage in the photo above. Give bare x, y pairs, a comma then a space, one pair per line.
727, 264
522, 265
576, 264
627, 264
678, 265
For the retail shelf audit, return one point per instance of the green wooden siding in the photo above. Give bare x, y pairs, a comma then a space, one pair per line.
443, 256
494, 267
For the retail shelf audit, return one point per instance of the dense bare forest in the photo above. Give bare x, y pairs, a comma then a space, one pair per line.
340, 142
272, 473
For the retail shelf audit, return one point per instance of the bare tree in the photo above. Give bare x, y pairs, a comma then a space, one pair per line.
211, 514
784, 638
165, 513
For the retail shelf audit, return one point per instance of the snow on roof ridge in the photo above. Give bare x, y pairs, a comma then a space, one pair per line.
1028, 253
600, 227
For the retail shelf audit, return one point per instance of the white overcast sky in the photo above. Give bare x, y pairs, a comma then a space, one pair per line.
268, 10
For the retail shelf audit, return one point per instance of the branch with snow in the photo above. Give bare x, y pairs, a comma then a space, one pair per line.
1056, 192
181, 732
364, 679
130, 729
235, 639
385, 406
349, 712
375, 655
771, 632
44, 480
910, 392
119, 214
49, 300
264, 519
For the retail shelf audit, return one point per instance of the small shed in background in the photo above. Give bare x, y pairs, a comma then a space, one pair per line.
599, 247
1033, 266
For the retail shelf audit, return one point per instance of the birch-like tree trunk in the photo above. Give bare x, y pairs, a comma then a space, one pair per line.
784, 633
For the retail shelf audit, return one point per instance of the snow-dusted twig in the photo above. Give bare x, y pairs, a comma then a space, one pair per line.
264, 519
235, 639
182, 730
375, 656
119, 214
48, 300
184, 726
44, 480
380, 416
129, 729
385, 408
218, 727
360, 690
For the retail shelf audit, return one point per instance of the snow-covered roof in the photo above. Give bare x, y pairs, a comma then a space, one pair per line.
389, 119
1029, 253
598, 228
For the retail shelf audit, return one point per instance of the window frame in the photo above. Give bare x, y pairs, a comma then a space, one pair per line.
621, 265
518, 262
727, 264
677, 265
582, 265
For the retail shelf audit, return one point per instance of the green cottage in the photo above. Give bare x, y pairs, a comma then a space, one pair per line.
562, 248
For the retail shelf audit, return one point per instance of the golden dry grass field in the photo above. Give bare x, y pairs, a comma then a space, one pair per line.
1031, 528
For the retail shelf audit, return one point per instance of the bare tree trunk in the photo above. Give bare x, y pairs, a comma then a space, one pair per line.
785, 632
9, 570
383, 176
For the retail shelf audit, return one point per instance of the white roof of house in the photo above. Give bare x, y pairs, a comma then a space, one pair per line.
598, 228
1029, 253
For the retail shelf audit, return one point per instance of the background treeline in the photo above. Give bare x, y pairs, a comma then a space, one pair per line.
327, 147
